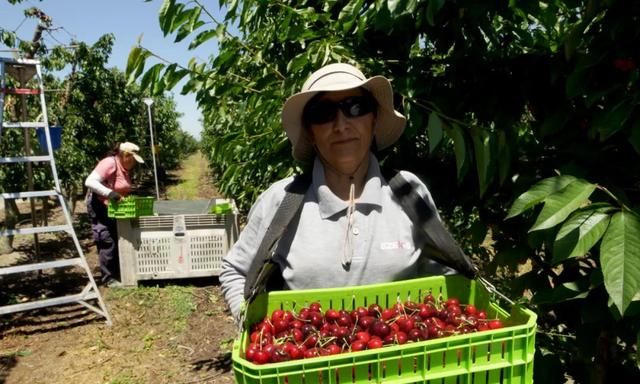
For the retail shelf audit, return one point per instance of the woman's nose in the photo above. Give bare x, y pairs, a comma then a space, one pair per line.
340, 122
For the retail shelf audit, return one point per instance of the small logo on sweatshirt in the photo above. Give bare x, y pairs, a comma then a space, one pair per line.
391, 245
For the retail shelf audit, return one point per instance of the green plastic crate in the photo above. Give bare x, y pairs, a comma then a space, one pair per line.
130, 207
502, 356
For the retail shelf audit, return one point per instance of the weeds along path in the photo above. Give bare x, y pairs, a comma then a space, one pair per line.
164, 331
192, 181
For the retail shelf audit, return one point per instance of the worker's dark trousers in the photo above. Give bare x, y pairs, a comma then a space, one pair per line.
105, 235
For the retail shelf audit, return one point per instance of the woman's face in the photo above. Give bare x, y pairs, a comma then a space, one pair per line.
128, 161
343, 140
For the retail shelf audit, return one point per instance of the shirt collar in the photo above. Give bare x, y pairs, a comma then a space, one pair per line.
329, 204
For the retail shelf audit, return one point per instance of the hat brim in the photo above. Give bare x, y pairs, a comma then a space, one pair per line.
137, 157
389, 122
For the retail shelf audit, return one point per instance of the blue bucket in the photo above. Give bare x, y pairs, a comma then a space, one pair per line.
55, 131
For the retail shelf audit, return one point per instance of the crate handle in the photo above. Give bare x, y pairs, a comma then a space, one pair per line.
493, 290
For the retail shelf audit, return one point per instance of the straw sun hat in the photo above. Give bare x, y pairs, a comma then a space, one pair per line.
337, 77
132, 149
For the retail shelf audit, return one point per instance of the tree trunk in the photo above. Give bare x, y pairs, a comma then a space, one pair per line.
72, 199
11, 217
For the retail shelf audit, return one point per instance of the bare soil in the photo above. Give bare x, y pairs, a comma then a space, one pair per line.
163, 332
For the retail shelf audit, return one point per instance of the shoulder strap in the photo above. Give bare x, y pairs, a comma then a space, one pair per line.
440, 245
115, 173
262, 265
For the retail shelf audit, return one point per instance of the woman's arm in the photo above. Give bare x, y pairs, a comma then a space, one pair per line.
237, 262
94, 182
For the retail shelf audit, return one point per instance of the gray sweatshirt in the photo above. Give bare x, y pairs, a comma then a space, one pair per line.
384, 246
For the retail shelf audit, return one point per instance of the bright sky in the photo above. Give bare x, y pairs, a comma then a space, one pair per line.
87, 20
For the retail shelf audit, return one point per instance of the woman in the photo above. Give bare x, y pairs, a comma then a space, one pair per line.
351, 230
109, 180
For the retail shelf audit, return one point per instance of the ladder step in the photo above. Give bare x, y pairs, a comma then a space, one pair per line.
24, 159
25, 124
41, 266
27, 195
29, 231
11, 61
20, 91
78, 298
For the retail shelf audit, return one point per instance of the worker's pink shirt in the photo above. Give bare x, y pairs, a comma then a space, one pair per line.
107, 168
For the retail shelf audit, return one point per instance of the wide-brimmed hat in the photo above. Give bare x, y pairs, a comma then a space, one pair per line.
132, 149
337, 77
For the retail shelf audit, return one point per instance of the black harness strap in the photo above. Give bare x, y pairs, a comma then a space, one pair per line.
440, 245
263, 265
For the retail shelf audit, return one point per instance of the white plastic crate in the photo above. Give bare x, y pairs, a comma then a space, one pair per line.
174, 246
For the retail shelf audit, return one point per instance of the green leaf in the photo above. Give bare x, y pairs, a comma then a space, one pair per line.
581, 232
538, 193
221, 30
611, 120
433, 8
298, 62
554, 123
150, 78
396, 6
460, 149
638, 352
577, 82
559, 205
167, 14
349, 14
634, 139
620, 258
132, 62
135, 63
434, 131
482, 149
504, 157
203, 37
173, 75
563, 292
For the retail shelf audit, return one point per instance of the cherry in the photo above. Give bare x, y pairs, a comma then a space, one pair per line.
470, 309
374, 343
297, 335
388, 314
366, 321
344, 319
359, 345
380, 328
415, 335
360, 312
261, 357
251, 352
426, 310
277, 315
363, 336
375, 310
452, 301
331, 314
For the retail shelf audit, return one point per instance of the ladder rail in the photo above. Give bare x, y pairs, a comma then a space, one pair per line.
2, 86
91, 291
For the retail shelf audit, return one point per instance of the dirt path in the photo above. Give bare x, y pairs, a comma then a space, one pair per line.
175, 332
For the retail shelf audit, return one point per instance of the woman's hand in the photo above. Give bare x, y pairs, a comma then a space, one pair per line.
114, 196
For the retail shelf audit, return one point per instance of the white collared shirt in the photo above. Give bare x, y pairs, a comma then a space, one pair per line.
385, 247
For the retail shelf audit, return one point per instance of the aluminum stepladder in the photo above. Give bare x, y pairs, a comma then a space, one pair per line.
24, 70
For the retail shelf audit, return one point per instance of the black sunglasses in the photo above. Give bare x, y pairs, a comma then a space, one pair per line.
324, 111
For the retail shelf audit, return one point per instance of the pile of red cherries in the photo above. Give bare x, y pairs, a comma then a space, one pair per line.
311, 332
